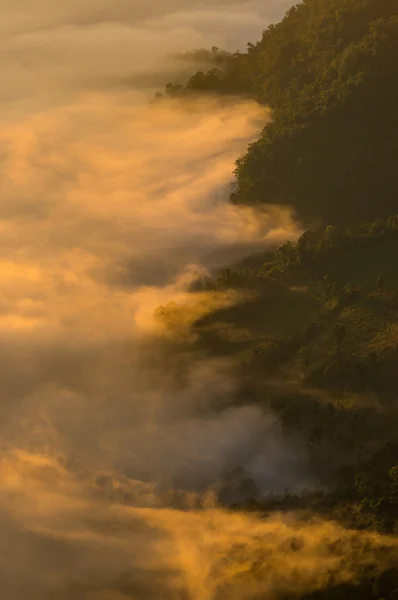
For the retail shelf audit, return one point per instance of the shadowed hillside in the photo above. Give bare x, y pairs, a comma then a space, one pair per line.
314, 335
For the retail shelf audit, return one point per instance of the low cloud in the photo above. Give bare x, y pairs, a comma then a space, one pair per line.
51, 51
66, 538
109, 211
109, 207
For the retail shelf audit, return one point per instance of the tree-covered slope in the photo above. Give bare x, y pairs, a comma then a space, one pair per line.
329, 71
326, 308
315, 339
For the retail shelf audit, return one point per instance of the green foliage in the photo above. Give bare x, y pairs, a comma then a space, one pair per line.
317, 311
328, 72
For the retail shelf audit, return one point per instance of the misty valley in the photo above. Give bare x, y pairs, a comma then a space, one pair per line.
199, 300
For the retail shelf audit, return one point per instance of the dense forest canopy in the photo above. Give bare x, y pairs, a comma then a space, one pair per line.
316, 336
328, 72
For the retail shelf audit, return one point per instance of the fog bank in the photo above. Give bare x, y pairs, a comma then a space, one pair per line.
109, 207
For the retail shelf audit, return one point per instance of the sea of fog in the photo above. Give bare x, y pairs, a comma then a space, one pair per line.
110, 205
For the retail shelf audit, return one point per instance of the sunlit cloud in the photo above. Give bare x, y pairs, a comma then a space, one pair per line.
76, 535
109, 207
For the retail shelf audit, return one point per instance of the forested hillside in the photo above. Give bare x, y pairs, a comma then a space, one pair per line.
329, 73
316, 338
316, 342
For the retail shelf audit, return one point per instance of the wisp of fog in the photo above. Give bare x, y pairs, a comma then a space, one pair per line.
110, 207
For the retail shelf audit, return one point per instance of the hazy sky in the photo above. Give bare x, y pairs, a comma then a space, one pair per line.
55, 47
